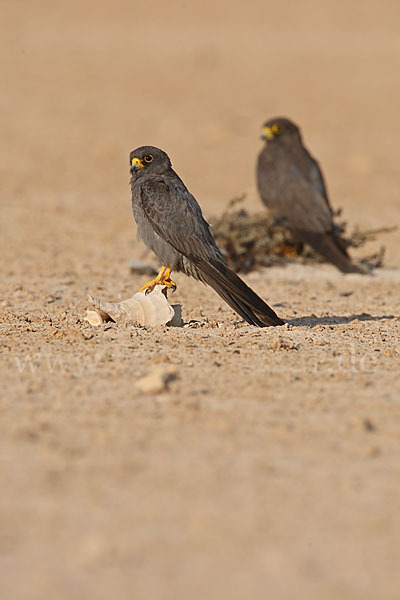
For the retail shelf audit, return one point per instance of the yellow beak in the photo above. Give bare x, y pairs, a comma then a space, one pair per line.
136, 164
267, 133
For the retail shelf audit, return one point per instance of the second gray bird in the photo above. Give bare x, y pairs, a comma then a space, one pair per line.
171, 223
292, 187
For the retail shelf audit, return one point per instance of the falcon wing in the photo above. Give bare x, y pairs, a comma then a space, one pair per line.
176, 217
317, 179
303, 206
309, 216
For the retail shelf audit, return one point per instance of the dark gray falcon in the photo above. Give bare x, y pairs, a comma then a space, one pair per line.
171, 223
292, 187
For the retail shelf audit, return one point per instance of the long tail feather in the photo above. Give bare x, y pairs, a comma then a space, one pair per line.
331, 248
238, 295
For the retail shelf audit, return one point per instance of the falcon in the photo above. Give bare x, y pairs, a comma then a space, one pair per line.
292, 187
171, 223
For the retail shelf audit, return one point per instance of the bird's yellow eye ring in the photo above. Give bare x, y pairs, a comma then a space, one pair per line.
278, 128
148, 158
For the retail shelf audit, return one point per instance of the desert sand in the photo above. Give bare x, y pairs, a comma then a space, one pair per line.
267, 464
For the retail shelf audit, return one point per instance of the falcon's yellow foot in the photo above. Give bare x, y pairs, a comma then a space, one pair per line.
163, 278
288, 250
167, 281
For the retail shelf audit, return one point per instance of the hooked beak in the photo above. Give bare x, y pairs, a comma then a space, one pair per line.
136, 164
267, 134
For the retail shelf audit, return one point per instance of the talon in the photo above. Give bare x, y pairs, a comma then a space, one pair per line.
171, 285
150, 285
166, 280
163, 278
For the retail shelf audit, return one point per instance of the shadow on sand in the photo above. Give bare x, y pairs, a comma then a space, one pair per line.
313, 321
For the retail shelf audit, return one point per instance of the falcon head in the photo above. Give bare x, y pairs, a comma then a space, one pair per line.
148, 159
279, 128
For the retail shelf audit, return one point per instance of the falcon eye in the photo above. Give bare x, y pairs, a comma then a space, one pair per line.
278, 128
148, 158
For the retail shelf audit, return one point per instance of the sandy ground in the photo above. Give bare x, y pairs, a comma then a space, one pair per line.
269, 466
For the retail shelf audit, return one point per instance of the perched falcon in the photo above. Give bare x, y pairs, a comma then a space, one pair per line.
292, 187
171, 223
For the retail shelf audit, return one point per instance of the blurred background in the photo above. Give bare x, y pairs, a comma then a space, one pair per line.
85, 82
272, 461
